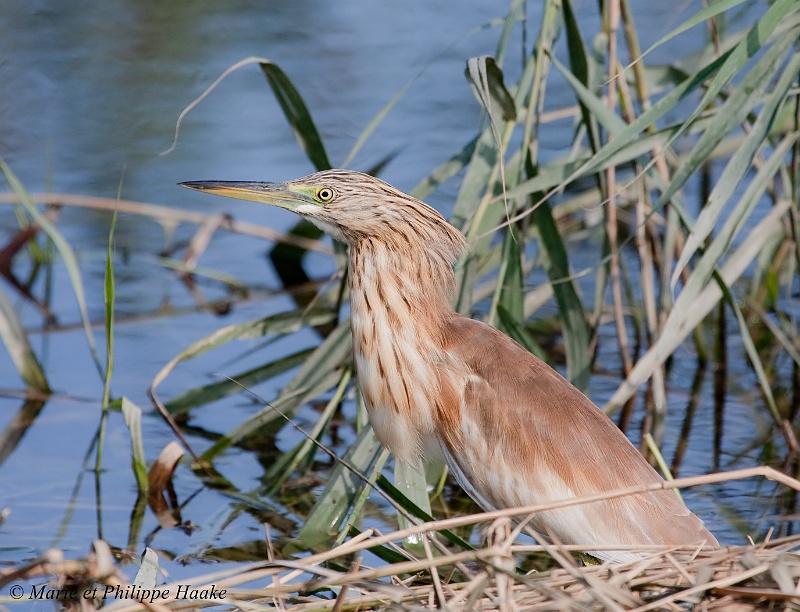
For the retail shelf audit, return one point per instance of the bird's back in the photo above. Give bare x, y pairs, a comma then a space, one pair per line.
516, 433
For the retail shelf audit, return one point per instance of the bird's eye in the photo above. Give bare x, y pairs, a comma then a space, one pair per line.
326, 194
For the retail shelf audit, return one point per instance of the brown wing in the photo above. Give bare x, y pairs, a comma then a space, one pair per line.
524, 435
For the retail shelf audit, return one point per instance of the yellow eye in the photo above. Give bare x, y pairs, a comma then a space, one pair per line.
326, 194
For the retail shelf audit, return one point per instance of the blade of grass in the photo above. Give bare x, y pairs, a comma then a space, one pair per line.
281, 323
108, 299
319, 373
413, 510
341, 492
304, 452
206, 394
573, 319
731, 114
18, 425
731, 62
486, 81
286, 403
735, 220
508, 293
133, 420
297, 115
734, 266
381, 115
516, 12
66, 252
409, 478
717, 8
16, 340
750, 349
784, 330
736, 169
378, 119
777, 15
472, 200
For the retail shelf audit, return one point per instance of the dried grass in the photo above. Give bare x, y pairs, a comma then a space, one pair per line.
754, 577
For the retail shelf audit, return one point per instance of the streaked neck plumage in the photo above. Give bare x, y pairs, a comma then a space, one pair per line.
401, 290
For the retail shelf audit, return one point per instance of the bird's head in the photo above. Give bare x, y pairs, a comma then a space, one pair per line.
351, 207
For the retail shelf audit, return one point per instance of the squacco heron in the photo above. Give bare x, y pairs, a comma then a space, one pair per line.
512, 430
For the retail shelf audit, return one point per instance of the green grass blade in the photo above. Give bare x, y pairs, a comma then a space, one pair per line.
742, 99
579, 64
575, 329
470, 213
516, 12
410, 480
319, 373
334, 352
297, 114
445, 171
281, 323
16, 340
508, 293
18, 425
282, 407
473, 186
351, 525
66, 252
376, 121
736, 169
734, 221
304, 452
486, 80
206, 394
750, 349
693, 314
343, 489
784, 330
752, 42
132, 415
707, 13
723, 69
597, 107
413, 510
561, 171
109, 298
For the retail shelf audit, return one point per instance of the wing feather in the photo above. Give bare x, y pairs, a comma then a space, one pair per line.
520, 434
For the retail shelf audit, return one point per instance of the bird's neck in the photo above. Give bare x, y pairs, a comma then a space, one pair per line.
399, 303
418, 279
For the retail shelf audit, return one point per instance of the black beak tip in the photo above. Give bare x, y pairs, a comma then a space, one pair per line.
198, 185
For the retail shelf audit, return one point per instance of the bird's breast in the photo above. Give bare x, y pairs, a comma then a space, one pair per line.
396, 364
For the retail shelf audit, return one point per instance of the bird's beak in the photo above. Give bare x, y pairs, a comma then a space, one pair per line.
276, 194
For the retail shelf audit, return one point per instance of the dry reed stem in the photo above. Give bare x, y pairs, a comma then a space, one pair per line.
656, 583
747, 577
168, 217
